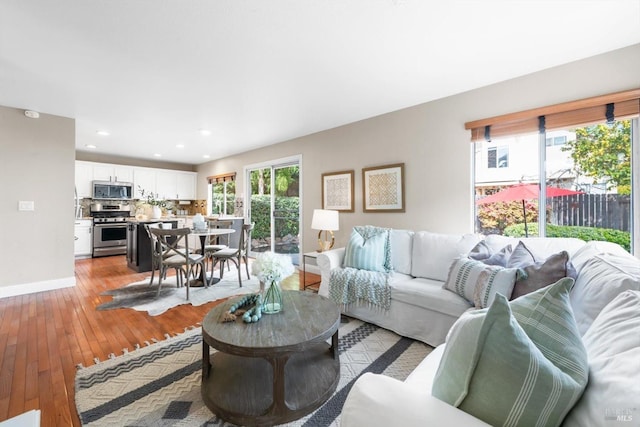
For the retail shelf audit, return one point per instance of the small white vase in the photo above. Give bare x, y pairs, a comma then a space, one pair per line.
156, 212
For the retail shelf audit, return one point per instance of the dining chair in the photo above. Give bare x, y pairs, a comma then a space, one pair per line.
156, 250
216, 243
236, 255
173, 247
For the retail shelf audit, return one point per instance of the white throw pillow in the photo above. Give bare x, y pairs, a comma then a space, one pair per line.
433, 253
613, 348
401, 248
601, 279
479, 283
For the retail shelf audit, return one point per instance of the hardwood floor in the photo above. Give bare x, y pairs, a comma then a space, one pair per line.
44, 336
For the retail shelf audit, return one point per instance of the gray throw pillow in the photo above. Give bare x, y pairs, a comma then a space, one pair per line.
541, 274
482, 252
522, 257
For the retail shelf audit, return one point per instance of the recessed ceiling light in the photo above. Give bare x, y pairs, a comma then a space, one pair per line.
206, 156
205, 132
180, 146
157, 155
90, 146
103, 133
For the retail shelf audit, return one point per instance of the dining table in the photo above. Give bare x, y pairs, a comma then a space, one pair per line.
205, 233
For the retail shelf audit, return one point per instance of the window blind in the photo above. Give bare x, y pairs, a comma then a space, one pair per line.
575, 113
225, 177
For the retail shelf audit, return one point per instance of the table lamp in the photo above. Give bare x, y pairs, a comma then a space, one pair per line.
327, 221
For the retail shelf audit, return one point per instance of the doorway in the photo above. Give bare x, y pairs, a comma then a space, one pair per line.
274, 207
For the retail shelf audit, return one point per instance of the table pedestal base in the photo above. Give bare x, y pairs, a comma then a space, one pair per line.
266, 391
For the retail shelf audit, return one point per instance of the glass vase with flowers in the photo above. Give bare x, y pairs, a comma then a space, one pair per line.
271, 269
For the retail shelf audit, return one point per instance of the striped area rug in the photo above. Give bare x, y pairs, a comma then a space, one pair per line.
159, 385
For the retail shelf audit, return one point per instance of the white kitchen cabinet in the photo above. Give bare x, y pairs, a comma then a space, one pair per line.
83, 234
109, 172
176, 185
144, 178
83, 178
167, 184
187, 183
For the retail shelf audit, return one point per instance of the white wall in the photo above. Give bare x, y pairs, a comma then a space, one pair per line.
431, 140
37, 165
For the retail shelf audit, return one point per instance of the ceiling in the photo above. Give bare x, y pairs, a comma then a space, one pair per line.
154, 73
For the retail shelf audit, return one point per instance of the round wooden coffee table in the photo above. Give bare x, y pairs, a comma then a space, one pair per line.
276, 370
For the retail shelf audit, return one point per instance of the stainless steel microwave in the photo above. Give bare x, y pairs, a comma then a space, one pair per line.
112, 190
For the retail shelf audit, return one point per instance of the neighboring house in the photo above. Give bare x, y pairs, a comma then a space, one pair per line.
507, 161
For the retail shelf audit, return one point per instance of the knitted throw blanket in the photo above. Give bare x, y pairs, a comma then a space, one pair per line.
348, 285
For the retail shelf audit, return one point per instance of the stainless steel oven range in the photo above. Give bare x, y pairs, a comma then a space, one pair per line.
109, 229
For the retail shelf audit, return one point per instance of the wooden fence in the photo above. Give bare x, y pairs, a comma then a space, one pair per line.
592, 210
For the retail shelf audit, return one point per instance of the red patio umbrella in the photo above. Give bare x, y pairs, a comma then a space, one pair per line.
524, 192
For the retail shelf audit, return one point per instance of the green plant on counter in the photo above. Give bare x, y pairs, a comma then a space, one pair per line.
151, 198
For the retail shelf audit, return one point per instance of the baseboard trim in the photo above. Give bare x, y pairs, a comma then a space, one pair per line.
30, 288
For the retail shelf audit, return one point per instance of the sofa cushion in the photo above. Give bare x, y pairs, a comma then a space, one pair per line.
479, 283
541, 274
428, 294
596, 247
401, 249
613, 347
433, 253
541, 246
368, 249
493, 369
601, 279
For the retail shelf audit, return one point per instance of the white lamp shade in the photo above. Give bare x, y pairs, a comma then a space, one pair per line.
324, 219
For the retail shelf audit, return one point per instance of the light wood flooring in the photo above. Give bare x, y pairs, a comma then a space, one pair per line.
44, 336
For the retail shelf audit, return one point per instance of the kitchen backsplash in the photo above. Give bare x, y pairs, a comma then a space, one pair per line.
172, 207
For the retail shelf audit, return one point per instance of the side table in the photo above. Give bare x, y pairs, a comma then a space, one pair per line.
313, 255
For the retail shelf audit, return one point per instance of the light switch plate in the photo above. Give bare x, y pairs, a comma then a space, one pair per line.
26, 205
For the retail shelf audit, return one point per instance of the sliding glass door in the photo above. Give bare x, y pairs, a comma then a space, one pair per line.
274, 207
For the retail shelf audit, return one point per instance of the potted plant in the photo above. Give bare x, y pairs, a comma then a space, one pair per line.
150, 198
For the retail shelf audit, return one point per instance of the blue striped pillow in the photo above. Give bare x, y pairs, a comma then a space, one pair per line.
368, 249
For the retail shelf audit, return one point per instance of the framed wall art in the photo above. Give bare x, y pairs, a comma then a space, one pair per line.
337, 191
383, 188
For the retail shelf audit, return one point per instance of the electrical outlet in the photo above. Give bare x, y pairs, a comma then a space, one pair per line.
26, 205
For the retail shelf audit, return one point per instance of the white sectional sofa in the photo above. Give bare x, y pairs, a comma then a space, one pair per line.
420, 308
605, 302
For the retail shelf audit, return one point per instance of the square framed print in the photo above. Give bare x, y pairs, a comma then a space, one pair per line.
383, 188
337, 191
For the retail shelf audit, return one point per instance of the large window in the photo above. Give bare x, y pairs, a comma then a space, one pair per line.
222, 194
273, 190
568, 171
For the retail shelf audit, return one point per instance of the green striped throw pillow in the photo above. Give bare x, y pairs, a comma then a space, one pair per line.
479, 283
520, 367
368, 249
